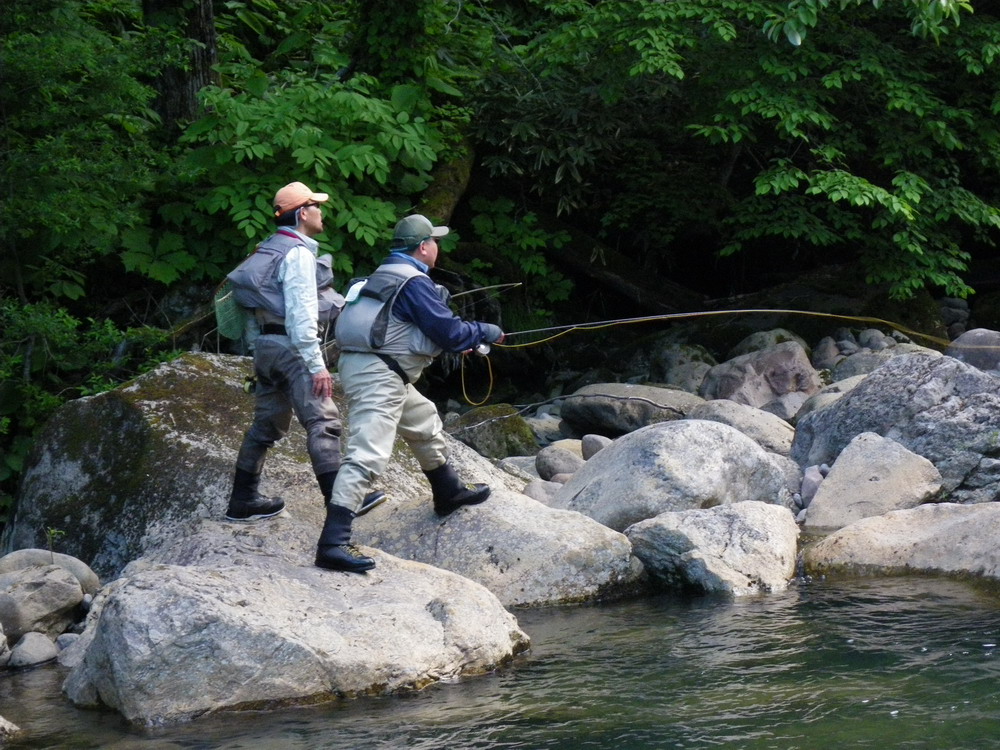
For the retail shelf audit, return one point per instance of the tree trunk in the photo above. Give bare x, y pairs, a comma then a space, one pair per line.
178, 87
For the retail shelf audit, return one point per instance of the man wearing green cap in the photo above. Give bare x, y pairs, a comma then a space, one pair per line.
394, 324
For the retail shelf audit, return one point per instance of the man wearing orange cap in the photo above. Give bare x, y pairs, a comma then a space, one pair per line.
290, 290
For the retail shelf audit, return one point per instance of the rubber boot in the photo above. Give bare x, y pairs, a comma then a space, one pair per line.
333, 552
372, 499
450, 493
246, 504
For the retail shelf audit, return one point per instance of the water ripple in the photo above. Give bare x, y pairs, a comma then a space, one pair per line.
901, 663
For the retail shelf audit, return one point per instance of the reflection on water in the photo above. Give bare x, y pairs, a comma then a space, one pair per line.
892, 663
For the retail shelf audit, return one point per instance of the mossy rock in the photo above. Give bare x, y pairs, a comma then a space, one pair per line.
496, 431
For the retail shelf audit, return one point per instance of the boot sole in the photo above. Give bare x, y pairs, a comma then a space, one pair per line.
443, 512
256, 517
344, 568
373, 504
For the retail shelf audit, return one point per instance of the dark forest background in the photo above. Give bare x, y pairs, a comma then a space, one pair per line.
618, 158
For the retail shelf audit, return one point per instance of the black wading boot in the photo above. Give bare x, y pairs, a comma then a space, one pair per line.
372, 499
333, 552
246, 504
450, 493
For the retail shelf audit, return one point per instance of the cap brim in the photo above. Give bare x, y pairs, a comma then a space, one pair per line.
319, 197
439, 231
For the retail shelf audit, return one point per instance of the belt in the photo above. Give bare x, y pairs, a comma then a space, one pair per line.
394, 366
274, 329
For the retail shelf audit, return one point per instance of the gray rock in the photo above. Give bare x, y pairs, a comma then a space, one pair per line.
758, 378
541, 490
546, 427
663, 359
4, 648
812, 477
687, 376
28, 558
495, 431
41, 599
936, 538
673, 466
950, 316
172, 642
769, 431
936, 407
872, 475
826, 354
591, 444
979, 347
865, 361
739, 549
32, 649
764, 340
827, 395
614, 409
786, 406
874, 339
552, 460
8, 730
521, 467
177, 477
526, 553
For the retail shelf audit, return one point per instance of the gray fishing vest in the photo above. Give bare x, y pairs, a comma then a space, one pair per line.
367, 325
256, 285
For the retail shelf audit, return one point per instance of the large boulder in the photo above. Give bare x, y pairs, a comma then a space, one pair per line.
40, 599
935, 538
871, 476
738, 549
131, 464
769, 431
764, 379
495, 431
672, 466
524, 552
186, 419
939, 408
168, 643
979, 347
614, 409
31, 558
31, 649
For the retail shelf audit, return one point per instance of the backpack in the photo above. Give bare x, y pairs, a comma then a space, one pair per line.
253, 284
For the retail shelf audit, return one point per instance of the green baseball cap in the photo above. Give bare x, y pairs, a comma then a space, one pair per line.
414, 229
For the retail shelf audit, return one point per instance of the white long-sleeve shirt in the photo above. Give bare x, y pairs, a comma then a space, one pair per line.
297, 274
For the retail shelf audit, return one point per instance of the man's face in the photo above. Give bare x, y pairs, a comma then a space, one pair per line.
311, 219
429, 251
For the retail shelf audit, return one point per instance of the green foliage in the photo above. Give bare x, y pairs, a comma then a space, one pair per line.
929, 18
52, 535
74, 123
47, 357
297, 109
516, 237
660, 122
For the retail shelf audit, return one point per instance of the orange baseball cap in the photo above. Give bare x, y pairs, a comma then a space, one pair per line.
295, 195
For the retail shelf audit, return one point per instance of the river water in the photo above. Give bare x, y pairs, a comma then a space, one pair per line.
872, 663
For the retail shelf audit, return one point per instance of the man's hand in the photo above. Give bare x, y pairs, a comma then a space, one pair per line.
492, 333
322, 385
